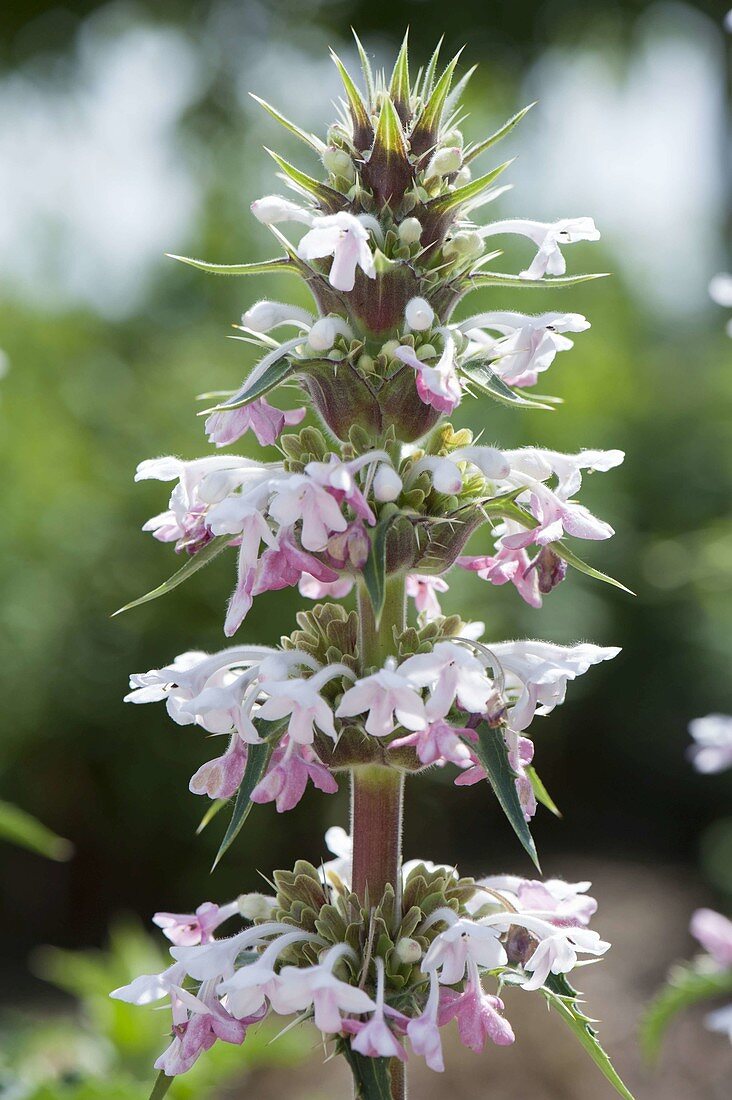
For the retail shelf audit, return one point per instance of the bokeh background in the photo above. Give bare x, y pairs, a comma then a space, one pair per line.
126, 131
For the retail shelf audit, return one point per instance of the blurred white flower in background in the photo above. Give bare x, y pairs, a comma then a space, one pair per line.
720, 291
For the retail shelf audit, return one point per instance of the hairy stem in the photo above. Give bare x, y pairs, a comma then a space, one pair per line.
377, 793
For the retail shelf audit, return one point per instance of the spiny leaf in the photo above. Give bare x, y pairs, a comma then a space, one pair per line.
389, 136
161, 1086
487, 381
455, 95
18, 827
362, 129
499, 278
481, 146
687, 984
563, 998
330, 199
571, 558
427, 127
452, 199
541, 793
276, 373
429, 75
374, 571
216, 805
205, 555
368, 76
265, 267
399, 90
492, 753
310, 139
257, 760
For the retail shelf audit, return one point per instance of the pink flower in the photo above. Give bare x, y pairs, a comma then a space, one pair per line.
424, 1030
300, 987
228, 425
464, 941
438, 386
563, 904
386, 695
478, 1014
349, 548
300, 698
222, 776
374, 1038
714, 933
423, 589
439, 743
507, 565
287, 776
453, 674
285, 563
186, 929
313, 589
299, 497
197, 1024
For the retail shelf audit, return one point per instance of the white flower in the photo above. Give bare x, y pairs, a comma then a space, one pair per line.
451, 672
151, 987
300, 987
721, 1019
384, 694
299, 497
713, 749
556, 901
248, 987
450, 951
539, 672
548, 236
273, 208
346, 239
526, 345
446, 474
387, 484
301, 699
265, 315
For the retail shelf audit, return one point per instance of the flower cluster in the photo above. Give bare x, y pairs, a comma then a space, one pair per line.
378, 494
428, 968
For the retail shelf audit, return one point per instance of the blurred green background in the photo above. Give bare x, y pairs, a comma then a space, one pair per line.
126, 131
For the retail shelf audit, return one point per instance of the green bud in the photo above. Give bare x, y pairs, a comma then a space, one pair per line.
408, 950
410, 231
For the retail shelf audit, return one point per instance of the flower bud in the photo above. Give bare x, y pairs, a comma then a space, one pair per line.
446, 478
338, 162
322, 335
350, 547
387, 484
453, 137
419, 314
389, 348
266, 315
410, 231
256, 906
463, 176
550, 569
273, 208
462, 244
445, 162
408, 950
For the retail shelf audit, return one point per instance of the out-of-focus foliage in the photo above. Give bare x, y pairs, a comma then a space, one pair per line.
18, 827
106, 1048
150, 142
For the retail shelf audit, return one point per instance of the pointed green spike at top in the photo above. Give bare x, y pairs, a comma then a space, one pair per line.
388, 171
368, 76
329, 199
429, 74
481, 146
399, 89
424, 134
309, 139
362, 129
455, 95
469, 191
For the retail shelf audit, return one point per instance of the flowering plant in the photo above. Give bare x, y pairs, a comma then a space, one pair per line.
380, 495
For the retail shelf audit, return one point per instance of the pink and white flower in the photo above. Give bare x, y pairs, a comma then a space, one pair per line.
438, 386
525, 346
228, 425
478, 1014
712, 751
302, 701
300, 988
714, 933
186, 929
290, 768
453, 675
548, 236
374, 1038
462, 942
346, 239
388, 697
424, 1030
423, 590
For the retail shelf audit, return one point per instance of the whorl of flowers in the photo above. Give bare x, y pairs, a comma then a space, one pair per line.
379, 494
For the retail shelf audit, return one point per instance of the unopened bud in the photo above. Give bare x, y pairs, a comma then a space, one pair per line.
446, 478
410, 231
408, 950
387, 484
463, 176
266, 315
453, 137
419, 314
389, 348
462, 244
366, 364
338, 162
273, 208
445, 162
256, 906
322, 335
349, 547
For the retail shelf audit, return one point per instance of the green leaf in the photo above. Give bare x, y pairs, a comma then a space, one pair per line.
309, 139
374, 571
563, 551
265, 267
328, 198
362, 130
506, 129
429, 76
257, 760
498, 278
18, 827
278, 371
424, 133
487, 381
389, 137
469, 191
399, 85
371, 1076
492, 753
368, 76
687, 984
216, 805
161, 1086
210, 551
541, 793
564, 999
